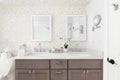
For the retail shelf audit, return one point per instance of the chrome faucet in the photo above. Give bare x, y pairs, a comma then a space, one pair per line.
39, 47
77, 47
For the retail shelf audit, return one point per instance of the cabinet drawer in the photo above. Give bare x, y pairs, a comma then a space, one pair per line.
43, 64
58, 64
58, 74
85, 63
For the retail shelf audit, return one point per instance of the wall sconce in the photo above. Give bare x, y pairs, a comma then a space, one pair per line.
116, 6
96, 21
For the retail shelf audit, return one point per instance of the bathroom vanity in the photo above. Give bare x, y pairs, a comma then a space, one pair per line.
84, 68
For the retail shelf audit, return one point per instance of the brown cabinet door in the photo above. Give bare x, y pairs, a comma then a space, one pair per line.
40, 74
58, 74
93, 74
76, 75
23, 75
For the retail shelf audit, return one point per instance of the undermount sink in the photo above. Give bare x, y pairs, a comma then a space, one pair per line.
67, 55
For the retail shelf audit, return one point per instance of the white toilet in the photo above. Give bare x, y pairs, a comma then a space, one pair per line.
5, 68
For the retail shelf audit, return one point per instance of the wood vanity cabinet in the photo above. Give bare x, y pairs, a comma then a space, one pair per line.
82, 69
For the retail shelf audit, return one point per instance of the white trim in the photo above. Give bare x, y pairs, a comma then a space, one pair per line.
106, 25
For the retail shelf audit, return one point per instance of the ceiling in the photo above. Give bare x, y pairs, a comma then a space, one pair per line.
45, 2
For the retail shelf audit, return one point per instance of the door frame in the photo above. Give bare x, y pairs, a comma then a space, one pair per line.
106, 44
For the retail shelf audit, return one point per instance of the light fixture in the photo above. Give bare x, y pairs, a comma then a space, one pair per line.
116, 6
96, 21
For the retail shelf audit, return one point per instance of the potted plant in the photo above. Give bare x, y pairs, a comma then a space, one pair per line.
65, 47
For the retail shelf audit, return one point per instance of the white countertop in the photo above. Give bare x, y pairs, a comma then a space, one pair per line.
69, 55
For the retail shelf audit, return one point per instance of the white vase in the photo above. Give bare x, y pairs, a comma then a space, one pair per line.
65, 50
21, 52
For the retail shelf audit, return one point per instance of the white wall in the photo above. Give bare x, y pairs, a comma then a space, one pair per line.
95, 38
15, 24
98, 40
114, 39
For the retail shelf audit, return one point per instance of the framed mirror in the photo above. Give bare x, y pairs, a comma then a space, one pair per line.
76, 27
41, 28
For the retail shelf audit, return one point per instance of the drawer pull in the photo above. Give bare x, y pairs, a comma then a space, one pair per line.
33, 74
33, 71
29, 72
84, 71
58, 62
58, 72
87, 72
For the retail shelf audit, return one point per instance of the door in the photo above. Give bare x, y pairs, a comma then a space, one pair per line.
23, 75
94, 75
114, 38
40, 75
76, 75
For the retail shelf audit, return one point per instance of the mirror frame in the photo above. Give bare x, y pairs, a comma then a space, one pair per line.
98, 18
50, 21
84, 24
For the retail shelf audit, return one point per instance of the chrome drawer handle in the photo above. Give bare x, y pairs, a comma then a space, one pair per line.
33, 71
33, 74
84, 71
29, 71
58, 72
58, 62
87, 72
